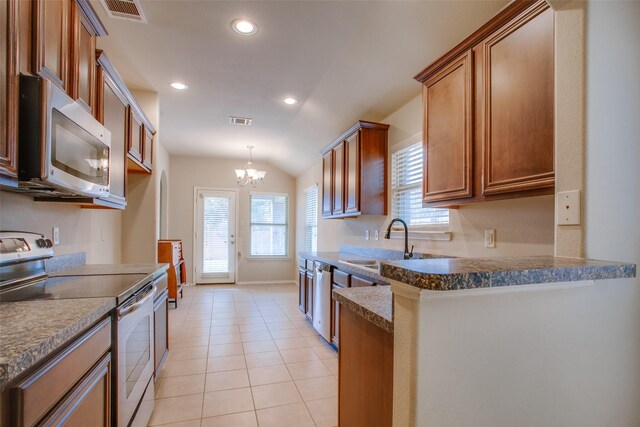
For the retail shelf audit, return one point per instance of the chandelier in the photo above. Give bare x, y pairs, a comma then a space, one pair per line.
249, 175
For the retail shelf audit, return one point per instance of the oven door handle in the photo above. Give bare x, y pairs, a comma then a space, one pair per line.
133, 307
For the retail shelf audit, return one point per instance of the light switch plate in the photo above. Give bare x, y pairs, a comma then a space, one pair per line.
366, 234
376, 235
56, 235
568, 207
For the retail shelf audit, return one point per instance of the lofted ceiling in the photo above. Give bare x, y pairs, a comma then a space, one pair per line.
344, 61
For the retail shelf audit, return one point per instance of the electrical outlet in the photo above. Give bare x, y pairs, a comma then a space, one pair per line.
490, 239
56, 235
376, 235
366, 234
568, 207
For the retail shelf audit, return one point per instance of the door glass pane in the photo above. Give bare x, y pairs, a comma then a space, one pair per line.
137, 352
215, 236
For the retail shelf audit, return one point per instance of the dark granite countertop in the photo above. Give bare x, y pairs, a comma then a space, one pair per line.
102, 269
374, 304
32, 330
471, 273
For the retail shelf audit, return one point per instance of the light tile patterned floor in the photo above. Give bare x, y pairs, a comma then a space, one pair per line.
245, 356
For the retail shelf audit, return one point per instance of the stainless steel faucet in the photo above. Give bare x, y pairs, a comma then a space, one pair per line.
407, 254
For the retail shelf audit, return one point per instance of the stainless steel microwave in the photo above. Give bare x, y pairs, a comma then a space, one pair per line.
62, 149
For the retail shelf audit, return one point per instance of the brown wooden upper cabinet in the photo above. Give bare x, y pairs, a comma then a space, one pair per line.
8, 93
140, 148
327, 183
135, 136
85, 27
147, 148
488, 111
113, 113
338, 179
51, 40
448, 122
355, 172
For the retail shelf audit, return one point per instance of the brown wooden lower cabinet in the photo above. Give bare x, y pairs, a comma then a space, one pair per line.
302, 290
365, 381
89, 403
309, 292
335, 318
74, 388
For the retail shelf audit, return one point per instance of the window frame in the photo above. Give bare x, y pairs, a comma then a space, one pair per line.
287, 226
415, 229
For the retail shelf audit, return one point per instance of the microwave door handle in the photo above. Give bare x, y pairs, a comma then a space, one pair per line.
133, 307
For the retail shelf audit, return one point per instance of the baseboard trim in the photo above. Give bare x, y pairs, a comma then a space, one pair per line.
268, 282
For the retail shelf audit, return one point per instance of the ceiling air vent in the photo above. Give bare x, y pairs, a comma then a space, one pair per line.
242, 121
124, 9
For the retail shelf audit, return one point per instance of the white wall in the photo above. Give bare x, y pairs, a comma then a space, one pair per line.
612, 189
523, 226
94, 231
190, 172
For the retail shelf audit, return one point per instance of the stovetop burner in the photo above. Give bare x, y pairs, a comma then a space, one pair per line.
23, 277
120, 287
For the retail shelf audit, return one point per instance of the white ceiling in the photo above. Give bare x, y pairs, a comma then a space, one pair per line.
344, 60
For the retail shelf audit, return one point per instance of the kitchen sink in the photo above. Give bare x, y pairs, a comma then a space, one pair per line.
370, 264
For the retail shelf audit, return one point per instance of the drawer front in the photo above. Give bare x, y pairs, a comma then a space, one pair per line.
358, 282
341, 278
36, 395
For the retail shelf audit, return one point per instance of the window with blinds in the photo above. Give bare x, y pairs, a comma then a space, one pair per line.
311, 219
269, 224
406, 189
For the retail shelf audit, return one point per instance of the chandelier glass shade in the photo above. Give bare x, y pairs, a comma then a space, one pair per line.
249, 175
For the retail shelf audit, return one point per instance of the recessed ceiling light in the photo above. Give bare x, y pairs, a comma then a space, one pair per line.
290, 101
179, 86
244, 27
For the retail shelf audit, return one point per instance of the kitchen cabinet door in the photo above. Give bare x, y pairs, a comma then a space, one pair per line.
335, 318
517, 82
114, 115
8, 88
352, 173
83, 59
338, 180
309, 292
302, 290
327, 183
135, 136
89, 403
51, 40
355, 171
448, 133
75, 383
147, 153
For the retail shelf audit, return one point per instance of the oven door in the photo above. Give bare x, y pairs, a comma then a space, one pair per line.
135, 352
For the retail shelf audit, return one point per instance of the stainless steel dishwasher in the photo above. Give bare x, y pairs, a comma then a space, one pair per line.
322, 300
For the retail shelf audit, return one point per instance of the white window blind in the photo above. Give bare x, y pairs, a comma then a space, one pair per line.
215, 236
311, 219
269, 225
406, 189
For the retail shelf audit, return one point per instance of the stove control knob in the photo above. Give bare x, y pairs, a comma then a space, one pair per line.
49, 243
41, 243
